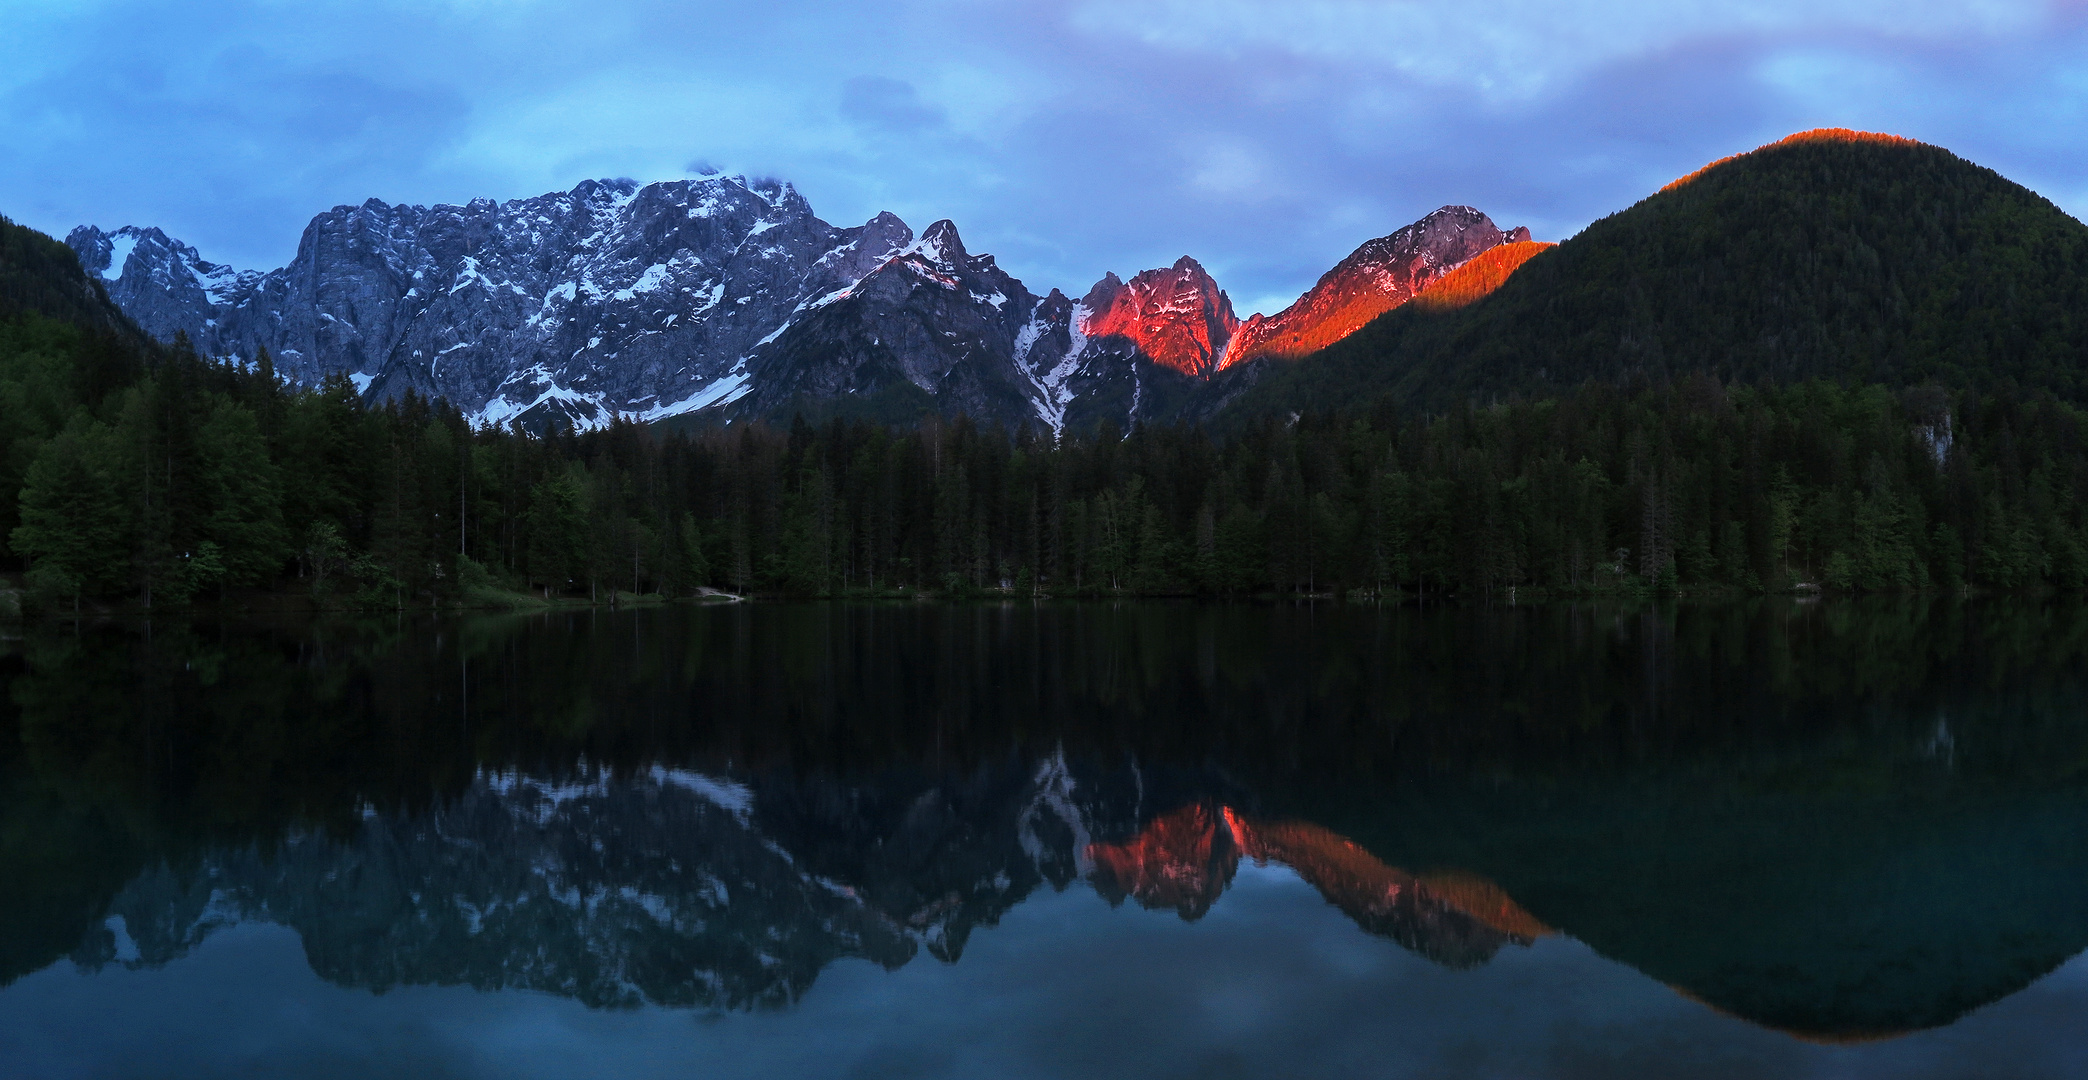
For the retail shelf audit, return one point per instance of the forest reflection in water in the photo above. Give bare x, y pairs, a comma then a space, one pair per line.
1842, 821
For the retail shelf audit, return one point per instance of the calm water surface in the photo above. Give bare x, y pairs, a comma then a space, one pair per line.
1143, 840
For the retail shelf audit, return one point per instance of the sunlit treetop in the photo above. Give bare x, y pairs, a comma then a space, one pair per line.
1836, 135
1477, 279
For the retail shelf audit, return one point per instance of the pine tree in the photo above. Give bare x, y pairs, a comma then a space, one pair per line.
76, 524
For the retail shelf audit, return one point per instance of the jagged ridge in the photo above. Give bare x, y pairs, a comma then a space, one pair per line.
729, 298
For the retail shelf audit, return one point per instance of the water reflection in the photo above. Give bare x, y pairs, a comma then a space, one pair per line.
1843, 822
1186, 859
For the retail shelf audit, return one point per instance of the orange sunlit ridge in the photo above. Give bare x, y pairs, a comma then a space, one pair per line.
1841, 135
1292, 333
1334, 311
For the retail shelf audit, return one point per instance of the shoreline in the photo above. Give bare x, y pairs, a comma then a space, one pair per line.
15, 607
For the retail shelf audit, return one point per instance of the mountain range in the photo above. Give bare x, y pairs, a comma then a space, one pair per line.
1830, 253
728, 298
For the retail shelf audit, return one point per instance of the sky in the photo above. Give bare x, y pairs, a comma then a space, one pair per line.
1266, 138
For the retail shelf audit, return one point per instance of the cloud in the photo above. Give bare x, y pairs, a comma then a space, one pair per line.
1070, 137
888, 105
1515, 47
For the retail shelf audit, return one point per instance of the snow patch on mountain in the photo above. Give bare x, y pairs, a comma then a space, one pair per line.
1053, 393
723, 391
120, 247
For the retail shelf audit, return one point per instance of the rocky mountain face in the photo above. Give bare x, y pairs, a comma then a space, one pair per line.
1177, 318
161, 283
1377, 277
611, 298
728, 298
930, 327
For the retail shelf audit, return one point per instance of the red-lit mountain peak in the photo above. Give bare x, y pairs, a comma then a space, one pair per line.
1177, 317
1377, 277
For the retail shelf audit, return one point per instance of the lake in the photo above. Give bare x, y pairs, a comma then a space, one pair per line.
1770, 838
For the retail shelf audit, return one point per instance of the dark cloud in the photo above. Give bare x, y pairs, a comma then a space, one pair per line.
1069, 138
890, 105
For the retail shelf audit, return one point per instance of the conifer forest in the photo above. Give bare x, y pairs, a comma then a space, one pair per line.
154, 477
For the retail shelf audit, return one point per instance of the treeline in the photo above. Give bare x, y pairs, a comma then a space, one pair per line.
177, 478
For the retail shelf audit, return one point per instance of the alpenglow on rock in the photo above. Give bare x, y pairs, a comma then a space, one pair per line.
1375, 278
729, 298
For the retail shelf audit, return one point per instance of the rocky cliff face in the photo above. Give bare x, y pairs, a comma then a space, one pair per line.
930, 327
729, 298
1177, 317
161, 283
610, 298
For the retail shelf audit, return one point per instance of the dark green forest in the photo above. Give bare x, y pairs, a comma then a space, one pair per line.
190, 479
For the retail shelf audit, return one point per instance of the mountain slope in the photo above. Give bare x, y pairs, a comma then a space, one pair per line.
1374, 279
1477, 279
162, 283
1832, 254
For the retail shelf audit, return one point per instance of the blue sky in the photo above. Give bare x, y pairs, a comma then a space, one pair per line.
1265, 137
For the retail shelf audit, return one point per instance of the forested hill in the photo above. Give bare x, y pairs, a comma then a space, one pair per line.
1829, 254
42, 276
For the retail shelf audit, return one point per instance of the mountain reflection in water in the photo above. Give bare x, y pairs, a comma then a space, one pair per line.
1185, 859
1842, 821
664, 888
